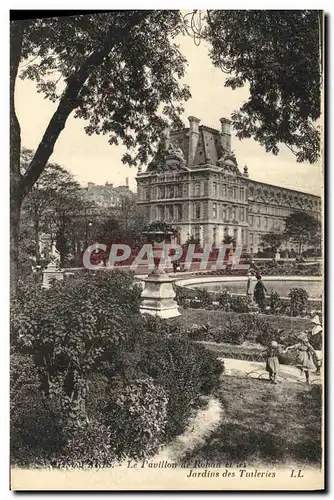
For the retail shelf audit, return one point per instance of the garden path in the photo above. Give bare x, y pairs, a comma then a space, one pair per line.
197, 432
253, 369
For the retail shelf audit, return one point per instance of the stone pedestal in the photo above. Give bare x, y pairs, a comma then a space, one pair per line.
50, 273
158, 296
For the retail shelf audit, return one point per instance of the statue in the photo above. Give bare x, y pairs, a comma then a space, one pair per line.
175, 151
54, 257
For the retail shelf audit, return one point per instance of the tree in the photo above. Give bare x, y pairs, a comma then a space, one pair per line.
227, 240
272, 240
52, 202
120, 71
193, 240
278, 54
303, 229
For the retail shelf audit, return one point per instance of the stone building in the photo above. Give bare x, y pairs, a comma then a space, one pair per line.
195, 183
107, 196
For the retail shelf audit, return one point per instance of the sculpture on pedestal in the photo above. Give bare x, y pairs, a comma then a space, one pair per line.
53, 269
158, 295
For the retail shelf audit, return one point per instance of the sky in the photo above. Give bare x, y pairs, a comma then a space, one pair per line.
92, 159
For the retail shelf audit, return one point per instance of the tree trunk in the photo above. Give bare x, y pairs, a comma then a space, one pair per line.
15, 213
21, 185
37, 252
16, 198
70, 99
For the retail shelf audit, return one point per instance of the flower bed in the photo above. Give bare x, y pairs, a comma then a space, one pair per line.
297, 304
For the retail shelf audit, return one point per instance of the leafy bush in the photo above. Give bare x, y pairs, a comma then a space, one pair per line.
70, 329
224, 299
184, 295
275, 303
298, 301
136, 414
106, 381
204, 297
36, 421
181, 367
252, 328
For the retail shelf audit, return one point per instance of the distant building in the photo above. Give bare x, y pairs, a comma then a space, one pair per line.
196, 185
107, 196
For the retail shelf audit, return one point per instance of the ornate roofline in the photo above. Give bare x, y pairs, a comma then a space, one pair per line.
282, 187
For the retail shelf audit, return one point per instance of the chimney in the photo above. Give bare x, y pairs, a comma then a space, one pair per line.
225, 135
193, 137
166, 135
127, 182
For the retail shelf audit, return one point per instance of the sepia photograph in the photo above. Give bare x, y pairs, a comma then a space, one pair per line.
167, 323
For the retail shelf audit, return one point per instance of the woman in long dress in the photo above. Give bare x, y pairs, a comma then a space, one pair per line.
305, 355
316, 341
250, 284
259, 292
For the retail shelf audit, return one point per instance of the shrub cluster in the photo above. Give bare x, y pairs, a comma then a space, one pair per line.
236, 330
298, 303
269, 268
93, 380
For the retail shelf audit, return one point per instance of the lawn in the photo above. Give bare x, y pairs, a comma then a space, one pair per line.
265, 424
218, 318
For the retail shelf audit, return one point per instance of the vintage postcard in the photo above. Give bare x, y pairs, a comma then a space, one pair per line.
166, 244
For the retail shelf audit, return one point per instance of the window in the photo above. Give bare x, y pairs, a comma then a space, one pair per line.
234, 193
169, 214
214, 210
251, 239
223, 212
242, 193
266, 222
242, 214
214, 235
250, 220
170, 192
233, 213
161, 192
197, 211
179, 190
229, 216
215, 189
178, 212
235, 234
161, 213
197, 232
224, 190
258, 222
197, 189
242, 236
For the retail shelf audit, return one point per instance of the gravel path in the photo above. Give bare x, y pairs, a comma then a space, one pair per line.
253, 369
199, 428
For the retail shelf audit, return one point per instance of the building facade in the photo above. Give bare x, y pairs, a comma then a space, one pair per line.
107, 196
197, 186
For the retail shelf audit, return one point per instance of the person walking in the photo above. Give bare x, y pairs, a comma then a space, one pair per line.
315, 339
259, 292
305, 355
272, 362
250, 284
